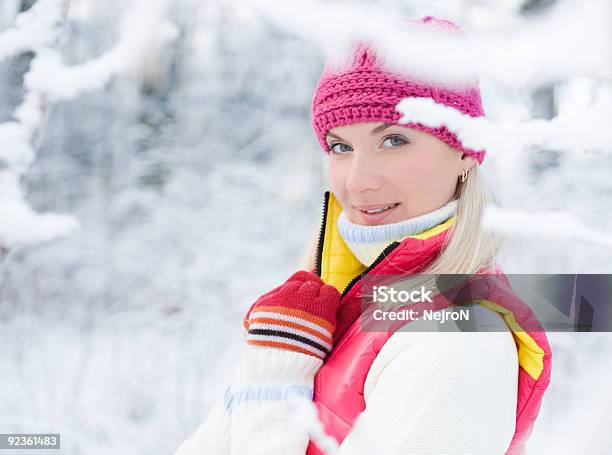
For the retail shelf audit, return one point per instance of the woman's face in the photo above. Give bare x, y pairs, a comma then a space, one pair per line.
403, 171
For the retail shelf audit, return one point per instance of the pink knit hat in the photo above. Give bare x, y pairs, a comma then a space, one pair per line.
368, 92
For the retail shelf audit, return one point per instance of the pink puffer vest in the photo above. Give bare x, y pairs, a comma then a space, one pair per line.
339, 384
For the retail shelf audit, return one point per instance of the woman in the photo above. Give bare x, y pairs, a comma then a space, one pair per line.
404, 199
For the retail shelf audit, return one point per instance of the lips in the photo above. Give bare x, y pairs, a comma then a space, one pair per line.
377, 208
375, 213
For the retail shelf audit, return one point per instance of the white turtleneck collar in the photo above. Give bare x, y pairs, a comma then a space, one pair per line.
367, 242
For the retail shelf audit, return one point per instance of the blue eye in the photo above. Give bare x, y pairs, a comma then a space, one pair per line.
396, 141
333, 149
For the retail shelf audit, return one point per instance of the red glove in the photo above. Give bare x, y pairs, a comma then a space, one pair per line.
299, 315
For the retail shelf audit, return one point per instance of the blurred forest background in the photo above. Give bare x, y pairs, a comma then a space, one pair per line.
181, 180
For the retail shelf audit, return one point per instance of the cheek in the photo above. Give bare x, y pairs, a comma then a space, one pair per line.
337, 176
423, 177
428, 171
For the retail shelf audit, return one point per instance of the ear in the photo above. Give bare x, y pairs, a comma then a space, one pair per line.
467, 162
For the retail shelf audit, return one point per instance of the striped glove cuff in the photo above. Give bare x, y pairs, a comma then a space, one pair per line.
290, 328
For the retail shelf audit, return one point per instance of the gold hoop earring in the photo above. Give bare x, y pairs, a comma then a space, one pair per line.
464, 175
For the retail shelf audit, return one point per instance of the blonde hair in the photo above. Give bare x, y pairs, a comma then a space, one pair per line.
468, 248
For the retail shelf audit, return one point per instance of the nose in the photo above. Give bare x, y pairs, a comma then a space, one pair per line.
363, 174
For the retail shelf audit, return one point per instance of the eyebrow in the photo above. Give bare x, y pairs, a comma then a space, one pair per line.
376, 130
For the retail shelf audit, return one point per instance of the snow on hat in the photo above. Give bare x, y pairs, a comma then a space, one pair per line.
367, 91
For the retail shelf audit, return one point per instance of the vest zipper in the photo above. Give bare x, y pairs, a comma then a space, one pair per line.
377, 261
319, 256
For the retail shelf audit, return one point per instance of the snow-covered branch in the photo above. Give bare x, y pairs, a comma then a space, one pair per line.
49, 80
144, 28
20, 224
586, 129
305, 419
571, 40
34, 28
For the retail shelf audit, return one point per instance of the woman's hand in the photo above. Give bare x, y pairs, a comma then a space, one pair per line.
299, 316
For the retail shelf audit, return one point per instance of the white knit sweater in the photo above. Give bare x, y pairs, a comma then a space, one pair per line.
426, 393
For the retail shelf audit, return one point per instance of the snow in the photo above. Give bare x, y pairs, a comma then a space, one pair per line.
49, 80
585, 128
555, 224
527, 53
144, 28
34, 28
20, 225
303, 417
16, 152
